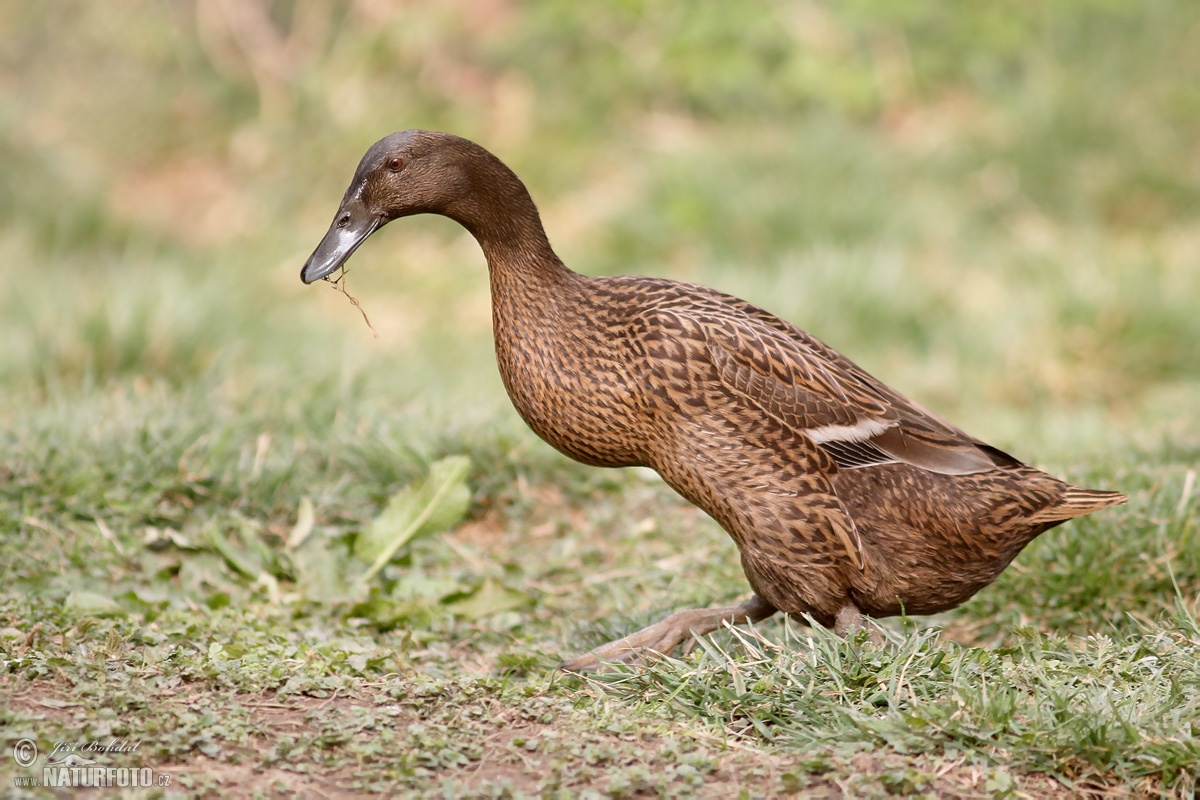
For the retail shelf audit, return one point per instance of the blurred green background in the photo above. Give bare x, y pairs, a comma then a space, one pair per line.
993, 208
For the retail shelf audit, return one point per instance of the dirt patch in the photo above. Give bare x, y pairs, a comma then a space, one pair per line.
240, 771
329, 747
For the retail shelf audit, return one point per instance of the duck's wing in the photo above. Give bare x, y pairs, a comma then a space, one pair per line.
768, 484
806, 385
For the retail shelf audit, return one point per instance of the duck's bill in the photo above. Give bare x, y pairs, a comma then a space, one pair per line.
350, 228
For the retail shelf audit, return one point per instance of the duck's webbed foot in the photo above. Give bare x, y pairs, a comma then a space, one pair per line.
665, 636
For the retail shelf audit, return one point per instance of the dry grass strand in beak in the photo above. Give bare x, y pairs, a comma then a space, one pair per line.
340, 285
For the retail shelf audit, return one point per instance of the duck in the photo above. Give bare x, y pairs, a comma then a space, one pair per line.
845, 499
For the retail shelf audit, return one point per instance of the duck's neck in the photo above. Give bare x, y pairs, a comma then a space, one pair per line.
521, 264
500, 214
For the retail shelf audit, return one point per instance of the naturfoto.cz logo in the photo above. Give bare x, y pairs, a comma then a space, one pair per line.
67, 767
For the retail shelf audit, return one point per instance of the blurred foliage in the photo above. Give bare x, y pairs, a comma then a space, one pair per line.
1085, 103
986, 204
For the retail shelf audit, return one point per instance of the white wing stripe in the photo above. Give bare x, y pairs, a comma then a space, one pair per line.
864, 429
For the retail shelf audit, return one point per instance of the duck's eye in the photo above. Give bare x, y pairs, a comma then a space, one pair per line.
395, 165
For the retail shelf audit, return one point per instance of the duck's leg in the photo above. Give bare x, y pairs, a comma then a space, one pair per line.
665, 636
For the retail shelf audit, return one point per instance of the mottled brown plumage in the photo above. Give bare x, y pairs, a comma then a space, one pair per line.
843, 497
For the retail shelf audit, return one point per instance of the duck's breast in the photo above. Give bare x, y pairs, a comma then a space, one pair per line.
573, 375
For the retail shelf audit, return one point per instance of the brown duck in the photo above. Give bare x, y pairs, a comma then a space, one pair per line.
843, 496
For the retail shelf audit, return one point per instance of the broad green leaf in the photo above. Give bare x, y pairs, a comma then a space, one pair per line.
491, 597
416, 585
320, 570
90, 604
430, 505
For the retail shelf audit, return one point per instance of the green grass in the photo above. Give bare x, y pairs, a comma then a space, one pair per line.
993, 212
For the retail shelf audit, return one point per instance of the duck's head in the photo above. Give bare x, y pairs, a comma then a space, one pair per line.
410, 172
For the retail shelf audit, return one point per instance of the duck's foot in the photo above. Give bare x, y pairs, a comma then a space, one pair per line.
663, 637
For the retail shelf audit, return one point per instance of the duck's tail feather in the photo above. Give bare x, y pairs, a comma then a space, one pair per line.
1077, 502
